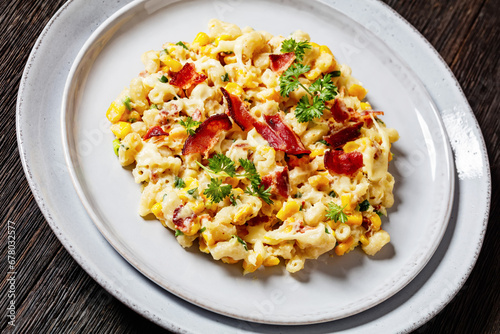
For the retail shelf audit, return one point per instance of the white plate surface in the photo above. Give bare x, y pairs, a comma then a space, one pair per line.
50, 182
422, 169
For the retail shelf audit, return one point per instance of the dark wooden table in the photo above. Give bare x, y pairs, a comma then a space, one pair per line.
55, 295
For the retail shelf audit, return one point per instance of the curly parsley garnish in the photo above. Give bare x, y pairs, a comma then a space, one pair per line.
179, 183
336, 213
216, 192
299, 48
190, 125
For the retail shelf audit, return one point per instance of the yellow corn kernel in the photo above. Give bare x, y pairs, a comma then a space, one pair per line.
290, 208
238, 191
376, 222
355, 219
234, 88
344, 247
315, 45
197, 207
115, 112
250, 268
203, 246
364, 240
202, 39
189, 181
245, 211
207, 51
350, 147
365, 106
270, 94
271, 261
288, 229
157, 210
134, 117
229, 260
222, 37
172, 64
121, 129
177, 133
317, 152
390, 156
325, 49
358, 91
195, 227
313, 74
318, 181
346, 202
207, 237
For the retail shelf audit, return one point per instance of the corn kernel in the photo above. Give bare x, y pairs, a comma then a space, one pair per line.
317, 152
313, 74
229, 260
315, 45
325, 49
195, 227
355, 219
344, 247
288, 229
346, 202
376, 222
203, 246
177, 133
318, 181
365, 106
197, 207
202, 39
234, 88
350, 147
121, 129
172, 64
250, 268
157, 209
290, 208
244, 212
358, 91
115, 112
207, 51
390, 156
271, 261
207, 237
364, 240
222, 37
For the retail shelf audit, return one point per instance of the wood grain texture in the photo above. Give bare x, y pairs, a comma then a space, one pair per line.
56, 296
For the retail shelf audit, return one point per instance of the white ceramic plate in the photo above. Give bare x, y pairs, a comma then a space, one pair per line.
423, 168
39, 138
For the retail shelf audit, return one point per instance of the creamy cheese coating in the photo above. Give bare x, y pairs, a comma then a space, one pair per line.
243, 227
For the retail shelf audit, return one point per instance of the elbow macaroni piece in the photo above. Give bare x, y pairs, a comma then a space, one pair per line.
152, 119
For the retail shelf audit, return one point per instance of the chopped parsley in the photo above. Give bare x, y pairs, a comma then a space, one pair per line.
182, 44
190, 125
163, 79
336, 213
335, 74
299, 48
241, 241
363, 206
332, 194
126, 102
178, 232
225, 77
326, 230
324, 142
153, 106
298, 194
203, 229
216, 192
232, 200
179, 183
116, 146
193, 192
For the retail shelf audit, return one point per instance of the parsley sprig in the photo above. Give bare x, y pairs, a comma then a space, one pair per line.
299, 48
222, 166
336, 213
190, 125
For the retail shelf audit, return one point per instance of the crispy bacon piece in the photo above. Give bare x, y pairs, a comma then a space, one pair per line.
187, 77
342, 136
280, 62
207, 134
293, 161
339, 111
280, 136
154, 132
238, 111
339, 162
278, 181
182, 224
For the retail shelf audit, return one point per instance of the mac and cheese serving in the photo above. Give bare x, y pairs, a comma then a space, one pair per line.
259, 148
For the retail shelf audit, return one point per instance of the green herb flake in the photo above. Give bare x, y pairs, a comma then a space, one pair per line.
216, 192
153, 106
203, 229
225, 77
233, 200
116, 146
336, 213
182, 44
363, 206
179, 183
178, 232
190, 125
241, 241
298, 194
324, 142
335, 74
163, 79
126, 102
193, 192
326, 230
332, 194
299, 48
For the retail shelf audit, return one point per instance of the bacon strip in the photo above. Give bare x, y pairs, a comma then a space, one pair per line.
339, 111
278, 181
280, 62
182, 224
339, 162
238, 111
342, 136
187, 77
154, 132
280, 136
207, 134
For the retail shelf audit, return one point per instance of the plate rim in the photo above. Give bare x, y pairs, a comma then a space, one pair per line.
104, 281
402, 278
